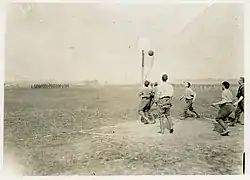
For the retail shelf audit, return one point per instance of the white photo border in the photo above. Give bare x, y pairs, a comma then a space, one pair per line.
3, 4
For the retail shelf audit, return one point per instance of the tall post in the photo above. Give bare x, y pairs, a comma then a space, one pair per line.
142, 68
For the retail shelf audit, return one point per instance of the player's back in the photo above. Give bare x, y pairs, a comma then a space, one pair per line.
165, 89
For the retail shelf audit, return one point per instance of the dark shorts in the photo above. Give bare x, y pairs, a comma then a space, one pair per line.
225, 111
164, 105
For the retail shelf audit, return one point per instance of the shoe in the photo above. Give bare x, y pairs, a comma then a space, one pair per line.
198, 116
231, 124
182, 118
171, 131
225, 133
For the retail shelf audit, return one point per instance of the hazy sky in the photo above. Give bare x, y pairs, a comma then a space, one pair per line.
74, 42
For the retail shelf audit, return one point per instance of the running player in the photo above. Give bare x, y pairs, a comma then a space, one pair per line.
190, 97
226, 107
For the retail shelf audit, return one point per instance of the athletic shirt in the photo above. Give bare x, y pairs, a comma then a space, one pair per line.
227, 96
189, 93
146, 92
240, 91
165, 89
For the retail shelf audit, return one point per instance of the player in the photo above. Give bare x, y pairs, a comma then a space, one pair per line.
226, 107
164, 95
152, 97
145, 95
190, 97
152, 102
239, 103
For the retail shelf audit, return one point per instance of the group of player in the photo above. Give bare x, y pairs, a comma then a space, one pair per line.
161, 96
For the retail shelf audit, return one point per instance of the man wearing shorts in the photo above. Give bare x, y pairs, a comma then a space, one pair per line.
190, 97
226, 107
153, 94
143, 109
152, 102
163, 100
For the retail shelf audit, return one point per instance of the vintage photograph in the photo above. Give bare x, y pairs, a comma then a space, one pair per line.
124, 89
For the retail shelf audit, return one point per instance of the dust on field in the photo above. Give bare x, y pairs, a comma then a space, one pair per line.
94, 131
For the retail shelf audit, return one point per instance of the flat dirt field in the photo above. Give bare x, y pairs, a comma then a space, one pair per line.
95, 131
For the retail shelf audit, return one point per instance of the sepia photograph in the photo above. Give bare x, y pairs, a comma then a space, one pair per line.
100, 89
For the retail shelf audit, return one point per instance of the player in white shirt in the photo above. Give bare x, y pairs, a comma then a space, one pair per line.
190, 97
164, 95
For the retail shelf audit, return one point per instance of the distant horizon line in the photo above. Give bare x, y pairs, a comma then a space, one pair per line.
83, 82
51, 80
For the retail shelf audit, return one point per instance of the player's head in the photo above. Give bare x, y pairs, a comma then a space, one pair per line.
241, 80
225, 85
164, 77
146, 83
187, 84
155, 84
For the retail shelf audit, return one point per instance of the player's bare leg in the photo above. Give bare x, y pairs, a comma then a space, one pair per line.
193, 111
169, 123
148, 114
151, 117
185, 114
224, 126
162, 126
145, 118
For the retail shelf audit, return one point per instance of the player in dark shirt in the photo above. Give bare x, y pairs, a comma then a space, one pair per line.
239, 103
143, 109
152, 101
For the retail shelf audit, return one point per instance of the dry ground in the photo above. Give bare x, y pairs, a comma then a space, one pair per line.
94, 131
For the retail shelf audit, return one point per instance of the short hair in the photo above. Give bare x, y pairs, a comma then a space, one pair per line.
243, 79
189, 84
164, 77
156, 84
226, 84
146, 83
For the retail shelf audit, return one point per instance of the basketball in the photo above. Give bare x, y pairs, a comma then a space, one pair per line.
150, 53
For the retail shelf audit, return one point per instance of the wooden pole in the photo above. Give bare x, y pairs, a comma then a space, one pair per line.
142, 68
